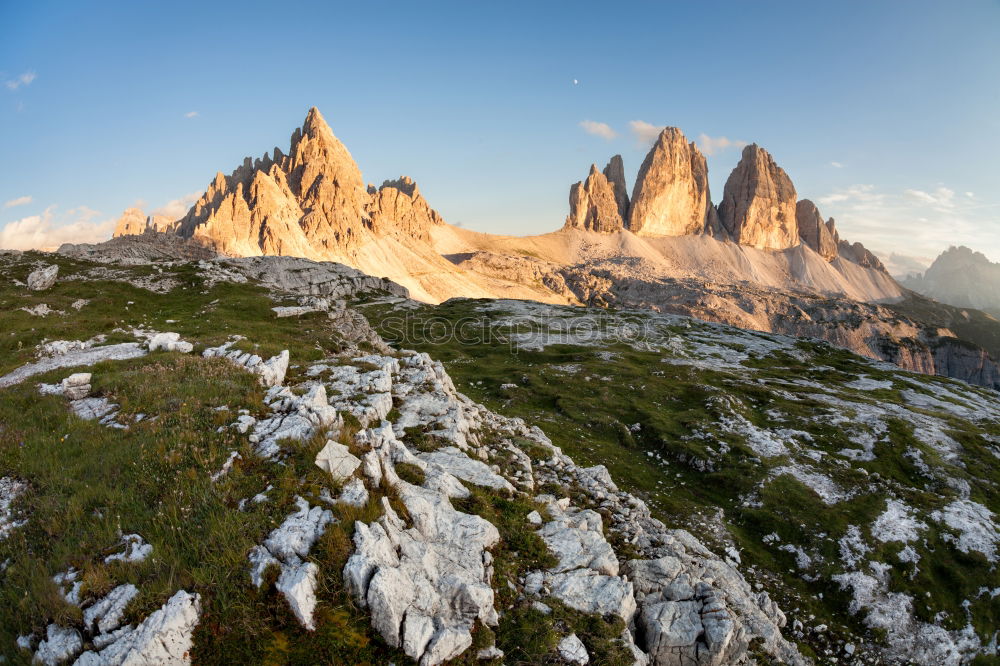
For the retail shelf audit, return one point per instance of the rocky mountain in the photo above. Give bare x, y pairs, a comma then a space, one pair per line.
960, 277
269, 458
762, 259
134, 222
594, 204
758, 205
820, 236
671, 195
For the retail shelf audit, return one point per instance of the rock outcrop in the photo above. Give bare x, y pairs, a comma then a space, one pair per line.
594, 203
758, 203
671, 195
310, 203
614, 171
860, 255
813, 231
397, 207
135, 222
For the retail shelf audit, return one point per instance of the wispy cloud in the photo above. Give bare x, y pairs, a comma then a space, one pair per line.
710, 145
644, 133
19, 201
941, 197
191, 114
602, 130
837, 165
913, 222
23, 80
177, 208
48, 231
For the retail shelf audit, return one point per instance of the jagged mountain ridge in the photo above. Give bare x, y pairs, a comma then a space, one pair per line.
748, 262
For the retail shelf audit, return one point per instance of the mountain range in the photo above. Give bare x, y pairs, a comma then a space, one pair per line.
761, 259
960, 277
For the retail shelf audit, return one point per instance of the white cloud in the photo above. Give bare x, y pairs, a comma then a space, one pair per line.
857, 194
837, 165
912, 223
19, 201
23, 80
941, 197
644, 132
710, 145
191, 114
46, 232
177, 208
970, 195
901, 265
602, 130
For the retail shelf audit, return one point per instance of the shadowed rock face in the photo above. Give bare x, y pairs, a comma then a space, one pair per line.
593, 204
813, 231
860, 255
758, 204
671, 196
615, 173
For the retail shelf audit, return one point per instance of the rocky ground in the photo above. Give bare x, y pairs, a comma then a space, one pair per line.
221, 460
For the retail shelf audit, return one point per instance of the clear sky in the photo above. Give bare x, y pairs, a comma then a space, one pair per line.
887, 114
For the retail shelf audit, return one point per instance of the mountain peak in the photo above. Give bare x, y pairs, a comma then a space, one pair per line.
671, 195
758, 203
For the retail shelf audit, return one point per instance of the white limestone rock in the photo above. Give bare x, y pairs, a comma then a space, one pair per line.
43, 278
425, 585
60, 644
108, 612
286, 547
461, 466
170, 342
165, 637
572, 650
354, 493
136, 550
337, 460
298, 583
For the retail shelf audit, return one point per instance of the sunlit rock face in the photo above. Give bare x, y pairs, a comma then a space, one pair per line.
671, 195
594, 204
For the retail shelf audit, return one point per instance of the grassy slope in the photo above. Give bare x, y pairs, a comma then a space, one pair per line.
586, 403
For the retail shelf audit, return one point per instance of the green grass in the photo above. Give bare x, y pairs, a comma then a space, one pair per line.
688, 478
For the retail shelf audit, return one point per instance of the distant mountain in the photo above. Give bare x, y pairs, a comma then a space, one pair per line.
960, 277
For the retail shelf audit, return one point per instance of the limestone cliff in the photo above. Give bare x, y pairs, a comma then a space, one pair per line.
758, 204
813, 231
134, 222
593, 203
671, 195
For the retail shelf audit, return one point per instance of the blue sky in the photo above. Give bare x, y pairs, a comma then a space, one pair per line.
885, 113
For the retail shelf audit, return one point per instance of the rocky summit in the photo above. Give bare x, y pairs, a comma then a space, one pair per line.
758, 205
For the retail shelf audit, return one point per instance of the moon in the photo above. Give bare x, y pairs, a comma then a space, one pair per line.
575, 82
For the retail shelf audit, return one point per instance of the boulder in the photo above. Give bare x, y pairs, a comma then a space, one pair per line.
170, 342
43, 278
76, 386
338, 460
